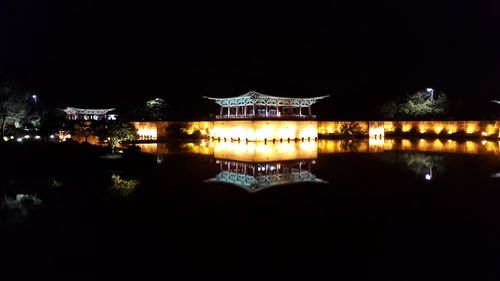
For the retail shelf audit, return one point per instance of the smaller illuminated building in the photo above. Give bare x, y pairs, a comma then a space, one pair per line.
73, 113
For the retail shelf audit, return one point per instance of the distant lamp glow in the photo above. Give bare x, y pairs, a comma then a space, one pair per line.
34, 98
37, 137
51, 136
11, 137
20, 139
484, 134
5, 138
27, 136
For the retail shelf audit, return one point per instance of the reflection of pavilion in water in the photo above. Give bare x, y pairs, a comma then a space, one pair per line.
256, 166
253, 166
254, 177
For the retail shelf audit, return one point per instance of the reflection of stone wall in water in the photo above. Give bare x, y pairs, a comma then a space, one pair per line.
309, 150
261, 152
421, 145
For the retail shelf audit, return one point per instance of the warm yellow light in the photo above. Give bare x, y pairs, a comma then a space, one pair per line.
471, 128
146, 133
264, 152
269, 130
146, 130
438, 128
406, 127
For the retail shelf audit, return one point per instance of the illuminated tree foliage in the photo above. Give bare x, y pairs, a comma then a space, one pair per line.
351, 129
15, 109
119, 132
123, 187
422, 104
87, 129
150, 110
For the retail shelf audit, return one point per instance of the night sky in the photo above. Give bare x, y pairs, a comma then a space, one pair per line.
119, 53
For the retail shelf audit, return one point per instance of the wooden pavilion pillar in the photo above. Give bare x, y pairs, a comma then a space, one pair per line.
277, 109
300, 111
254, 111
228, 111
267, 112
309, 110
237, 108
221, 111
245, 110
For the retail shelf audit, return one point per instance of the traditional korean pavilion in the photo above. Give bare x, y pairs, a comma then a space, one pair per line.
256, 105
74, 113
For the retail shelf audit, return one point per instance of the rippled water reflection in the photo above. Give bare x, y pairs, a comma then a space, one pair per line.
256, 166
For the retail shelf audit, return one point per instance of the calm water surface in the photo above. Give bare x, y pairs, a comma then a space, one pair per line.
378, 210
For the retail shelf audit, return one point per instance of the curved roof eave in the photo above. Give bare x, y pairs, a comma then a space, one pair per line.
250, 93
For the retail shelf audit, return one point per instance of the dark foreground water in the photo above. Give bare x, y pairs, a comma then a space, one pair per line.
250, 212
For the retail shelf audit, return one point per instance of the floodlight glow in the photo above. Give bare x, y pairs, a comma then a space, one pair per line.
20, 139
428, 177
27, 136
37, 137
51, 136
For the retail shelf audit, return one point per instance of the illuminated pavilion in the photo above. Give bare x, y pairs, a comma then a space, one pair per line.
73, 113
256, 105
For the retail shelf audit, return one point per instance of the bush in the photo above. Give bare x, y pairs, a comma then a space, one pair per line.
179, 131
351, 130
133, 149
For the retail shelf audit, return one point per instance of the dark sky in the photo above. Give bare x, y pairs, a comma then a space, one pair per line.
117, 53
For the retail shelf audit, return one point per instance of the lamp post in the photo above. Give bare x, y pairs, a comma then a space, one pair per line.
429, 175
34, 98
430, 91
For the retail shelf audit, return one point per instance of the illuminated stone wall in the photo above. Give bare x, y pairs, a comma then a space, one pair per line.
158, 130
333, 127
259, 130
471, 128
262, 130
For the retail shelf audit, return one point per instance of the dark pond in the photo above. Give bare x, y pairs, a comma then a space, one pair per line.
401, 210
